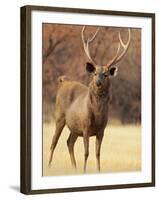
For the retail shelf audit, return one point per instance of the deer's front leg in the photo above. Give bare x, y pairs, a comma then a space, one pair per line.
99, 139
86, 149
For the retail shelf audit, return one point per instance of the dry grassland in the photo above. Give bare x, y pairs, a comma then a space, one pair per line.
120, 151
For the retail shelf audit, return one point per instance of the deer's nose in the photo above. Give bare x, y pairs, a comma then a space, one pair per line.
98, 82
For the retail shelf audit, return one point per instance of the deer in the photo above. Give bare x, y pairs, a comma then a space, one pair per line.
84, 109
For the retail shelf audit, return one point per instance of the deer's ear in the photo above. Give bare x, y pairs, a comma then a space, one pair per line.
90, 67
113, 71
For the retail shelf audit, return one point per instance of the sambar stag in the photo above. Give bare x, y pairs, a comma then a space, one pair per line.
85, 109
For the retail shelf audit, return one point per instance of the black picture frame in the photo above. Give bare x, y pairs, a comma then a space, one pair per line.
25, 163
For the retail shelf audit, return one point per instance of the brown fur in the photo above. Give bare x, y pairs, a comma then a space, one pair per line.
85, 111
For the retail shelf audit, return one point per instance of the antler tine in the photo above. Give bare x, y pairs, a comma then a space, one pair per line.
86, 45
125, 46
117, 57
93, 37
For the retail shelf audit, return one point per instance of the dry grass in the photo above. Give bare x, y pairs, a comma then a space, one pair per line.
120, 152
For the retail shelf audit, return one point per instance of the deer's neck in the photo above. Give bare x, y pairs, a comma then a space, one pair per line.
99, 99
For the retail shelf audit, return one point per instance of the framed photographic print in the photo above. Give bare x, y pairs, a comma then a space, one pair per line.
87, 99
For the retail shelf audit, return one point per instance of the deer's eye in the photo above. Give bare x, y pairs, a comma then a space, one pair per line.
95, 73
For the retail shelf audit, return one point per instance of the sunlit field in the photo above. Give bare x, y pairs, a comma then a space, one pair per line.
120, 151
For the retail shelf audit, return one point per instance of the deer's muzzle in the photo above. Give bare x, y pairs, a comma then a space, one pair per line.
98, 82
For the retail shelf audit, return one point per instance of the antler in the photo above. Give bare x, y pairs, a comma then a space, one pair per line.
86, 44
118, 57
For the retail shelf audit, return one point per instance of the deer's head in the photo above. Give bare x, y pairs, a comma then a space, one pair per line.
101, 74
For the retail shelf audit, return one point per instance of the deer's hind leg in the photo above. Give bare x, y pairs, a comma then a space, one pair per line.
60, 123
70, 144
86, 149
